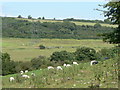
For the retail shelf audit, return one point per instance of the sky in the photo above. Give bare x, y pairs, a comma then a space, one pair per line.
50, 10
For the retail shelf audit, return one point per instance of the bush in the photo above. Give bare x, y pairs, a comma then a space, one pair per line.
23, 66
41, 47
109, 53
85, 53
61, 56
8, 66
40, 61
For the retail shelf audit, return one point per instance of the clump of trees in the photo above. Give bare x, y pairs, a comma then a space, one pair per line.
85, 53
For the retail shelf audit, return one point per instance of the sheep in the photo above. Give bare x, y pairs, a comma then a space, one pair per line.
50, 67
25, 76
32, 74
64, 65
68, 65
12, 79
75, 63
93, 62
59, 68
21, 72
26, 71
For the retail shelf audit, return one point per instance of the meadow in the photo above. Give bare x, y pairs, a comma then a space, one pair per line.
25, 49
102, 75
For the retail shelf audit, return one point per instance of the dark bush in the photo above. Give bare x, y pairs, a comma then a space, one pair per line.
8, 66
62, 56
39, 62
41, 47
85, 53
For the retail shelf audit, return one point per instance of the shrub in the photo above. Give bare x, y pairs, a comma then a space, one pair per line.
109, 53
41, 47
40, 61
85, 53
8, 66
61, 56
23, 66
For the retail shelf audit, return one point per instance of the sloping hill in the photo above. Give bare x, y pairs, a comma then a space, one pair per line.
102, 75
24, 28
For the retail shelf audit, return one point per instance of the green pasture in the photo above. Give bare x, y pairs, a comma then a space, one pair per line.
104, 74
26, 49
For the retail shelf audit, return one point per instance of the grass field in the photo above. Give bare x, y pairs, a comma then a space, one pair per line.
77, 23
26, 49
104, 74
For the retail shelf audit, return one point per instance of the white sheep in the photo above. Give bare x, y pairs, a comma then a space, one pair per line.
59, 68
93, 62
21, 72
64, 65
50, 67
26, 71
75, 63
12, 79
68, 65
25, 76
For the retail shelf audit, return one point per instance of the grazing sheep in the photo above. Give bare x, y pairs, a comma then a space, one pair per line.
21, 72
68, 65
12, 79
93, 62
75, 63
32, 74
59, 68
25, 76
26, 71
64, 65
50, 67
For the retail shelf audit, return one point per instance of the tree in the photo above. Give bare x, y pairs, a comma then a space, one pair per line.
8, 66
19, 16
39, 18
29, 17
43, 18
62, 56
85, 53
113, 15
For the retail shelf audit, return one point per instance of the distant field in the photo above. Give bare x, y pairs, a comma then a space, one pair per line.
26, 49
77, 23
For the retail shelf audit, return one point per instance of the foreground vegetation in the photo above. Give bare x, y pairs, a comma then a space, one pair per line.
102, 75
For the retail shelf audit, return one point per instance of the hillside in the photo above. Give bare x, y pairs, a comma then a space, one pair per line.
102, 75
24, 28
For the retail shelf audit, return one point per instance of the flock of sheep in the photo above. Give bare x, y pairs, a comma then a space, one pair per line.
11, 79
